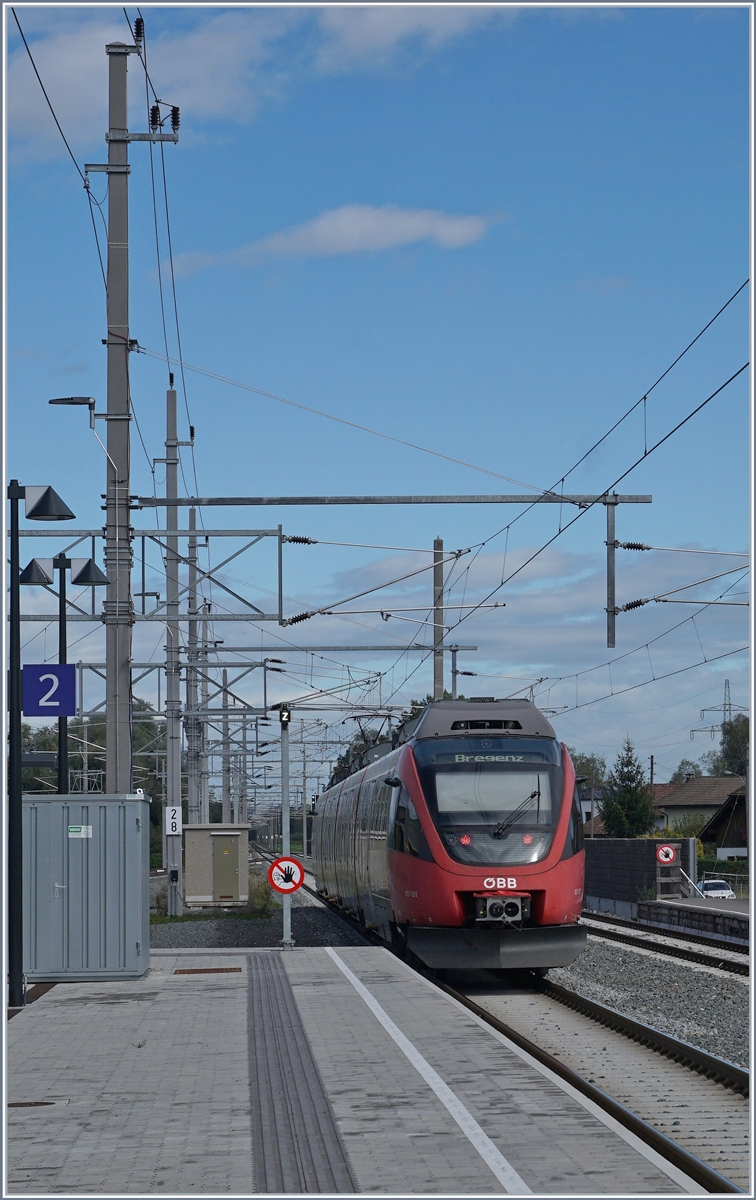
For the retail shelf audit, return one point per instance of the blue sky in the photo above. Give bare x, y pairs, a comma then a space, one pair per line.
484, 231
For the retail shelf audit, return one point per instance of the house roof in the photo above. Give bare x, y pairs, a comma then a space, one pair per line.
661, 790
705, 791
596, 825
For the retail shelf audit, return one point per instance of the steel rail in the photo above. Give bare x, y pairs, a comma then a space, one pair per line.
737, 1079
679, 932
697, 1170
735, 966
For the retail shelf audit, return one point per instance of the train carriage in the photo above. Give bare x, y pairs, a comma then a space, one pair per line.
463, 842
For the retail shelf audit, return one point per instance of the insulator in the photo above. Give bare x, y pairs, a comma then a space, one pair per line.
155, 117
302, 617
300, 541
175, 118
139, 30
633, 604
191, 433
633, 546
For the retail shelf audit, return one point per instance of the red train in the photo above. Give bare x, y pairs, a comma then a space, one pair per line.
462, 840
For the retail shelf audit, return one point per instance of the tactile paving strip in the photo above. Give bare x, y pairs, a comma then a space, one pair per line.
296, 1144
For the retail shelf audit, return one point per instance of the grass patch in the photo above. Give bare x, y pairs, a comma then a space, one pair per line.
261, 905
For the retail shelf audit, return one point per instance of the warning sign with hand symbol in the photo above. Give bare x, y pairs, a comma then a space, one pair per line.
286, 875
666, 854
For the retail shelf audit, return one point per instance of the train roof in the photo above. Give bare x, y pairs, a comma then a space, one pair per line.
476, 717
481, 717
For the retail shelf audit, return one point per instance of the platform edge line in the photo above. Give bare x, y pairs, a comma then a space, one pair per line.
499, 1166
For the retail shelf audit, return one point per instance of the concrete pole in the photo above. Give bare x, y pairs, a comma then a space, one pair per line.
304, 801
204, 694
225, 757
62, 563
192, 723
438, 619
172, 657
285, 823
243, 774
118, 608
454, 672
611, 551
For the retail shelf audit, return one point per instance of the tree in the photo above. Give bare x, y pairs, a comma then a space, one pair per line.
732, 756
593, 766
735, 737
627, 809
686, 769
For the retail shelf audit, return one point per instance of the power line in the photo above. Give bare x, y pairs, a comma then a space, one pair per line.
47, 98
619, 479
248, 387
66, 144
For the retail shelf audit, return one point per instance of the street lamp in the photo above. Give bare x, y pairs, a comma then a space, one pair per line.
42, 504
84, 573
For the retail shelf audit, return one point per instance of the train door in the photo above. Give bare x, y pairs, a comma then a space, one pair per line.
362, 850
383, 801
344, 839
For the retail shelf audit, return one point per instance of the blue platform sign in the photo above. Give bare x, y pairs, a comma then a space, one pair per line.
49, 690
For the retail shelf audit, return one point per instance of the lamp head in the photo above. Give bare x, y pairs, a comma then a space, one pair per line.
44, 504
78, 400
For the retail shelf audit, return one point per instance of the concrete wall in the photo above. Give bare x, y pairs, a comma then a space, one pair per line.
733, 927
620, 872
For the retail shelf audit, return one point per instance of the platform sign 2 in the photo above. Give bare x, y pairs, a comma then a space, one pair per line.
49, 690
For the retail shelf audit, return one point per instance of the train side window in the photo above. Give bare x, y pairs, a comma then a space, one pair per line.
406, 833
575, 839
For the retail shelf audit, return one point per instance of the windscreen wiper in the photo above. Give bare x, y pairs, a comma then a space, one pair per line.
504, 826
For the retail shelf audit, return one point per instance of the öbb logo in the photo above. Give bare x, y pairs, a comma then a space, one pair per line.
500, 881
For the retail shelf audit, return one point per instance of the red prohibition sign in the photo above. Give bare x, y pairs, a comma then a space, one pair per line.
286, 875
666, 854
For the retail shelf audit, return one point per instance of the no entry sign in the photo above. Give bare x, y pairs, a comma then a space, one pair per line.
286, 875
666, 854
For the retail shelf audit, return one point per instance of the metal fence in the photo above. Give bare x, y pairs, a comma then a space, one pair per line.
738, 883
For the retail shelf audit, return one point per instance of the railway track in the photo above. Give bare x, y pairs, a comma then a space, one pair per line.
690, 1106
685, 935
736, 966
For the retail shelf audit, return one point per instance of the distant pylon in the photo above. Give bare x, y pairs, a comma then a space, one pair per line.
726, 708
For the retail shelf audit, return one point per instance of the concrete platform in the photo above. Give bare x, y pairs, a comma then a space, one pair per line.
316, 1070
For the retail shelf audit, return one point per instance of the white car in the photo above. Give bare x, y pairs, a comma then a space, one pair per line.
717, 889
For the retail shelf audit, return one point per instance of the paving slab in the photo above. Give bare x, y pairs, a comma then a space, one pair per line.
157, 1088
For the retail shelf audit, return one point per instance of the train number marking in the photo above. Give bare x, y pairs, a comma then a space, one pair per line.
412, 894
500, 881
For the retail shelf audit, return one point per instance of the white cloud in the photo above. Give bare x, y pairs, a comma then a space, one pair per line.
372, 35
215, 64
351, 229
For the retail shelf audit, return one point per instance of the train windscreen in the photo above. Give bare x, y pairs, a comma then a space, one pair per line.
493, 801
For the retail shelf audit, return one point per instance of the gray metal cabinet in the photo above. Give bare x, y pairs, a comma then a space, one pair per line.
86, 871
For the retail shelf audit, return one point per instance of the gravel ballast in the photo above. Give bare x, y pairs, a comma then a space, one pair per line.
311, 925
704, 1007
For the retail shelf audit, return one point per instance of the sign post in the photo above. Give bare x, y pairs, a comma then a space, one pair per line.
284, 716
173, 832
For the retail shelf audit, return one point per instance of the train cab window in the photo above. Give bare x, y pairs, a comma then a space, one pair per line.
406, 834
575, 839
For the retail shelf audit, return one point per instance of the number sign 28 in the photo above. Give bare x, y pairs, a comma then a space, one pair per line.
173, 824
